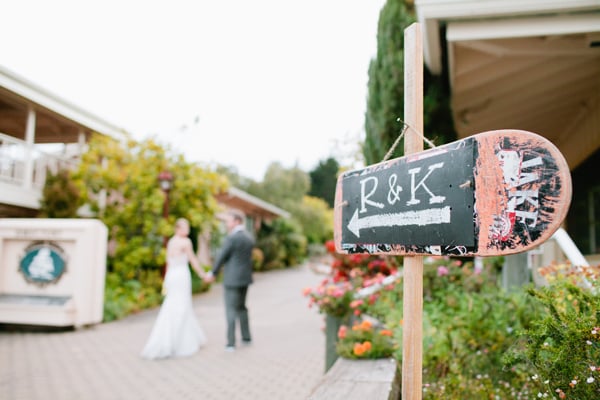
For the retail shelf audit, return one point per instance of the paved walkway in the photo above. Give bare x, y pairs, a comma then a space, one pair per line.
102, 362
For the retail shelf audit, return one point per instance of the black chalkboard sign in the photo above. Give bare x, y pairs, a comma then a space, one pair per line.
426, 199
494, 193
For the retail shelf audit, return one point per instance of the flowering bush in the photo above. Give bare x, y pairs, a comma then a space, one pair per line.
331, 298
561, 348
578, 276
468, 325
335, 295
442, 274
365, 341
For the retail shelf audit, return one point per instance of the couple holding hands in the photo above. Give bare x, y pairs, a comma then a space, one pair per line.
176, 331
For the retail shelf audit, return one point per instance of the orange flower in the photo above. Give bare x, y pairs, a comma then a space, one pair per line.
386, 332
358, 349
365, 325
362, 348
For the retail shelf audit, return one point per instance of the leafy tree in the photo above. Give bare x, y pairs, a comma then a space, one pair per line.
283, 187
437, 114
119, 182
60, 196
234, 177
323, 180
316, 218
385, 103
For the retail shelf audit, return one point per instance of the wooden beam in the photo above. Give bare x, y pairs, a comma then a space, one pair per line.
412, 340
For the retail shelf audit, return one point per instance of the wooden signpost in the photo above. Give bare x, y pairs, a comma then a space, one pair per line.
494, 193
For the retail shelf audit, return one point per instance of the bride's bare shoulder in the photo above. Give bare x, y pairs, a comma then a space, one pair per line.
177, 245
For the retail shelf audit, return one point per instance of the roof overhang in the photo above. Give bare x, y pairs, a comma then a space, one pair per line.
520, 64
432, 14
252, 206
57, 119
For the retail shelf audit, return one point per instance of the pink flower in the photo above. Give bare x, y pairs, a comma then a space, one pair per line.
441, 271
356, 303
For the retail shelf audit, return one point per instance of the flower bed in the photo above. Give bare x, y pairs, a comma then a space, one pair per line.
365, 340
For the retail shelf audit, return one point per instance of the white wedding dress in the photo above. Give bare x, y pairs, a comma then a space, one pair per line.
176, 331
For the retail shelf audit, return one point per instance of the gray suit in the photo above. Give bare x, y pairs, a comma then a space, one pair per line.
235, 257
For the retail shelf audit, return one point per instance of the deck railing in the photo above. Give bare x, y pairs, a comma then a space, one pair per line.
16, 157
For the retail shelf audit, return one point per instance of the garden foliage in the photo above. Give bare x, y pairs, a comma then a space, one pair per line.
561, 348
480, 341
119, 183
365, 340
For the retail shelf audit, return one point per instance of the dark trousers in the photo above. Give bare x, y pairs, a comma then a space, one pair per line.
235, 309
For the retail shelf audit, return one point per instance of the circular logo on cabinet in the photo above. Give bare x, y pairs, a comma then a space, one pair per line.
43, 263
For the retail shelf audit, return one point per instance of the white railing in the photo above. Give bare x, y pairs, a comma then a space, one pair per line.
14, 156
570, 250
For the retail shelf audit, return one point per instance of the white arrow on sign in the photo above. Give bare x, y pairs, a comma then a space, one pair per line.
422, 217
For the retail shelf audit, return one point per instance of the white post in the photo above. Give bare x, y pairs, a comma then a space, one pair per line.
29, 143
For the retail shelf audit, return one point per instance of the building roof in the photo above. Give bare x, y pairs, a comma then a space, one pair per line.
251, 205
57, 120
521, 64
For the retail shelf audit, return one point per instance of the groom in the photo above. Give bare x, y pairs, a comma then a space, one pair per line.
235, 256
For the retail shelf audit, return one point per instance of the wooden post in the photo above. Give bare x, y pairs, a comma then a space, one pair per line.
412, 340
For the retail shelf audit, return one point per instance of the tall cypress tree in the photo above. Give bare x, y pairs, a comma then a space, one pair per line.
385, 102
323, 180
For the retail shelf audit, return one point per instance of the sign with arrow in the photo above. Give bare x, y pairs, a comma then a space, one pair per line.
494, 193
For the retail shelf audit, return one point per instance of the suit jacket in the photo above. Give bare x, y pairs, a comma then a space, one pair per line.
235, 256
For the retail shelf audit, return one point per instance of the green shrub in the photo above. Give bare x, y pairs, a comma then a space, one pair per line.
469, 322
282, 244
560, 350
126, 296
60, 196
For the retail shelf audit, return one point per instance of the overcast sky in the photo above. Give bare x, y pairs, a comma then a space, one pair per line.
241, 83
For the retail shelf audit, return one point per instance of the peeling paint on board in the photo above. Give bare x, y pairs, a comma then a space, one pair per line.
495, 193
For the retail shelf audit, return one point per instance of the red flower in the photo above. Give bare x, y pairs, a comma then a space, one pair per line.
358, 258
330, 246
372, 299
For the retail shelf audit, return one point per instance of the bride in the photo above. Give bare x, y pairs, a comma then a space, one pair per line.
176, 331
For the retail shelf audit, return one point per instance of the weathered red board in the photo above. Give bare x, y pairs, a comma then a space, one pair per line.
494, 193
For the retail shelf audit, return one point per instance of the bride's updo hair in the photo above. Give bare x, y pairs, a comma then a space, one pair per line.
182, 223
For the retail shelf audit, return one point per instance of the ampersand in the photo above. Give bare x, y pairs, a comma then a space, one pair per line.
394, 193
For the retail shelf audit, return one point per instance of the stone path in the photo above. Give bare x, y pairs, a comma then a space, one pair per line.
102, 362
